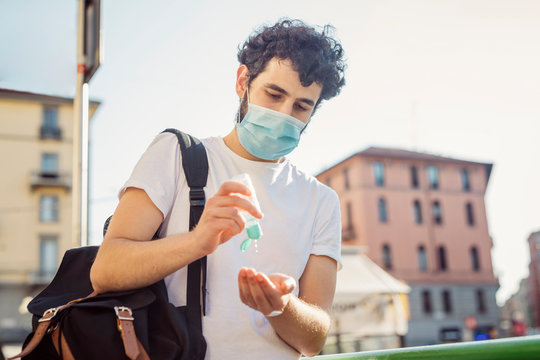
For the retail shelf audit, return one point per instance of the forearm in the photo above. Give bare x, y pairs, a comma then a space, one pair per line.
123, 264
303, 326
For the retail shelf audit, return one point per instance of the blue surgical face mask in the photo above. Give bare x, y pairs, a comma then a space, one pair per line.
268, 134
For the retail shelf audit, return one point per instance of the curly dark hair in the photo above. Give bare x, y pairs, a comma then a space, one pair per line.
315, 55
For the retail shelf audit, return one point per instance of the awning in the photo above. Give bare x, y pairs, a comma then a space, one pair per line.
368, 300
360, 275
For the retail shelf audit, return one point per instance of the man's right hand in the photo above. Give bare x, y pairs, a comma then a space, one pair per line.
221, 218
128, 259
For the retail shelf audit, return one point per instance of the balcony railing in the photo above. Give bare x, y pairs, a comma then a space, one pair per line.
50, 132
348, 233
50, 179
518, 348
24, 276
39, 277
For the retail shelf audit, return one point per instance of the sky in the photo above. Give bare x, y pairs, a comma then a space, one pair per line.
448, 77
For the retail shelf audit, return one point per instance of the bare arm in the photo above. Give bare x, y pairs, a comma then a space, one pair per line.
305, 322
128, 259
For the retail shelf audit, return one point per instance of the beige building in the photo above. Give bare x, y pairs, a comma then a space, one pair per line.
422, 218
36, 147
517, 315
534, 277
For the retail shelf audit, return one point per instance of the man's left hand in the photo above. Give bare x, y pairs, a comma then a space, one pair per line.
265, 293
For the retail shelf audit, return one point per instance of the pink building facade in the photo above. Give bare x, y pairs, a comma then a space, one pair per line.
422, 217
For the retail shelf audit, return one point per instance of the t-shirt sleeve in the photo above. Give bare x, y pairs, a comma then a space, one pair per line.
327, 232
156, 172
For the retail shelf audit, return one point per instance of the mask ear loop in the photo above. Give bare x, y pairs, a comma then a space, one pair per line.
247, 93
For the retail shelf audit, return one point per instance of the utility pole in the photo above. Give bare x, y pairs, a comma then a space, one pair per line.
88, 60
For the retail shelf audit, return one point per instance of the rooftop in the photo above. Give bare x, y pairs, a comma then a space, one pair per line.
384, 152
26, 95
411, 155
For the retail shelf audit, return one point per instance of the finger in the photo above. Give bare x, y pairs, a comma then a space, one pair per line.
234, 200
262, 303
288, 285
243, 288
276, 298
283, 282
227, 213
227, 229
229, 187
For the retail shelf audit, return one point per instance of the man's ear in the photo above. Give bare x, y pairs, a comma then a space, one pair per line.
242, 78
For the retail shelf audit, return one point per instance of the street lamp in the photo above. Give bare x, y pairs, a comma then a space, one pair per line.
88, 60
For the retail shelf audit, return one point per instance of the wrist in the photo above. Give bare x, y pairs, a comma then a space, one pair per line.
279, 312
196, 245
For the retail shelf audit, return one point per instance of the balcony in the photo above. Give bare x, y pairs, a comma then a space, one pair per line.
517, 348
348, 233
50, 132
25, 277
39, 278
50, 179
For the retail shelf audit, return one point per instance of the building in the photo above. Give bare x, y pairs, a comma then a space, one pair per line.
423, 219
36, 148
516, 313
534, 278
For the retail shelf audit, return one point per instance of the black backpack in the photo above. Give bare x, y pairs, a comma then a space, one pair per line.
135, 324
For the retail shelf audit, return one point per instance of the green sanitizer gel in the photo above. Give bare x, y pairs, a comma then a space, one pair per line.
253, 228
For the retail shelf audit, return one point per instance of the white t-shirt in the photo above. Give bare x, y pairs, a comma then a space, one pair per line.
301, 217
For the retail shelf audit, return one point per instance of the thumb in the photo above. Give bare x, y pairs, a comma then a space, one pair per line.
288, 285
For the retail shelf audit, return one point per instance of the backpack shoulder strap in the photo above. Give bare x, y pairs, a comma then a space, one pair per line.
195, 165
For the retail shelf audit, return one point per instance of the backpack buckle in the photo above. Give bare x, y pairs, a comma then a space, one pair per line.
196, 196
118, 309
51, 311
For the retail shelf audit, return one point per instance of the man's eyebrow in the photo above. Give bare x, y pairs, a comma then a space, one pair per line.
284, 92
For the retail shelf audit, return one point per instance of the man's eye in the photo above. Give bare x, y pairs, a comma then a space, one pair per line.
300, 107
274, 96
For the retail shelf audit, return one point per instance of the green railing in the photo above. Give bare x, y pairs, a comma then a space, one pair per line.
522, 348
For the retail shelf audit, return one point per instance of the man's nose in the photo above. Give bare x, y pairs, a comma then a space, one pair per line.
286, 107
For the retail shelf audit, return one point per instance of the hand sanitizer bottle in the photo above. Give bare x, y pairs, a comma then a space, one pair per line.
253, 227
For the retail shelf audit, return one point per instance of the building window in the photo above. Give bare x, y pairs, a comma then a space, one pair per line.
426, 302
446, 302
378, 173
414, 177
349, 216
417, 210
387, 257
346, 179
383, 214
481, 307
470, 215
475, 261
437, 213
48, 255
50, 117
441, 252
450, 334
422, 259
48, 209
465, 182
433, 177
49, 128
49, 164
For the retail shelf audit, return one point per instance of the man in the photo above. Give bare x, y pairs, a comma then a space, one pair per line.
255, 309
